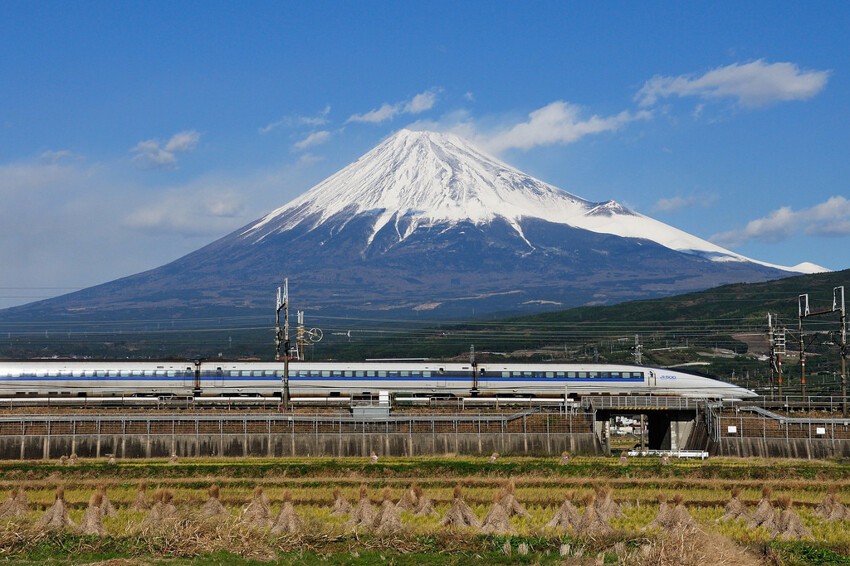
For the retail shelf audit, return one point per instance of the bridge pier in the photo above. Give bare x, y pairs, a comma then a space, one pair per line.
670, 421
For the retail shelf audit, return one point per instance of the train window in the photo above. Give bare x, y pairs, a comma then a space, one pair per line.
360, 373
159, 373
349, 374
506, 374
392, 373
526, 374
382, 374
136, 372
233, 373
426, 374
171, 373
559, 374
616, 374
637, 374
326, 373
550, 374
404, 373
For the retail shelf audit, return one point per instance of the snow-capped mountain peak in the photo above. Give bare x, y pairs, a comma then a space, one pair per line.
427, 178
416, 179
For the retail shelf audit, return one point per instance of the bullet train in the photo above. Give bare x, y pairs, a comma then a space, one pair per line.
416, 378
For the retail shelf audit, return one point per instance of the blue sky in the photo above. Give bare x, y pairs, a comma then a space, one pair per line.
133, 133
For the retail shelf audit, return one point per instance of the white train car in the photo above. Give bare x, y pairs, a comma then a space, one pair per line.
434, 379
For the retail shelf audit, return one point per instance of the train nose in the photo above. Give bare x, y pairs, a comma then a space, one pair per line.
742, 393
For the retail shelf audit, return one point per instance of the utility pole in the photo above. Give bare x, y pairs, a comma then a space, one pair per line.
282, 339
300, 340
838, 305
803, 310
776, 337
638, 351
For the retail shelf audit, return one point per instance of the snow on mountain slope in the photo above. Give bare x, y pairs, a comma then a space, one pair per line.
421, 179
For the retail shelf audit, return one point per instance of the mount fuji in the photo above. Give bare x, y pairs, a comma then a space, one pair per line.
426, 225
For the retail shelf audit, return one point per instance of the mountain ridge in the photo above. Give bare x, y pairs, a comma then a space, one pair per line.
423, 224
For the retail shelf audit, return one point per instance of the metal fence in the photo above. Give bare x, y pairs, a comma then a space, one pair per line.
555, 422
757, 422
643, 402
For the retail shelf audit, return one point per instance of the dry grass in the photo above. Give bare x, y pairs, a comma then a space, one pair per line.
341, 506
690, 546
301, 516
388, 518
363, 514
213, 508
459, 514
287, 520
567, 517
498, 519
15, 507
592, 523
735, 508
56, 517
92, 523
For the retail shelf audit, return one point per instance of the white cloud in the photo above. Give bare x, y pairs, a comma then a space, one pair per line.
295, 121
753, 84
829, 218
382, 114
308, 159
469, 96
51, 156
421, 102
316, 138
675, 203
557, 122
21, 178
416, 105
189, 212
156, 154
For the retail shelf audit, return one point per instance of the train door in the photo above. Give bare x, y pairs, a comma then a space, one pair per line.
651, 381
194, 373
188, 378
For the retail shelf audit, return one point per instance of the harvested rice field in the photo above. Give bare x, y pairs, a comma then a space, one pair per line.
451, 510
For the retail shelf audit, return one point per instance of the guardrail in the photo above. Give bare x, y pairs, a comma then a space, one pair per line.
641, 402
809, 402
701, 454
750, 421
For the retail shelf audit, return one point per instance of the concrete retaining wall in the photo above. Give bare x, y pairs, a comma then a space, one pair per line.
780, 448
276, 445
